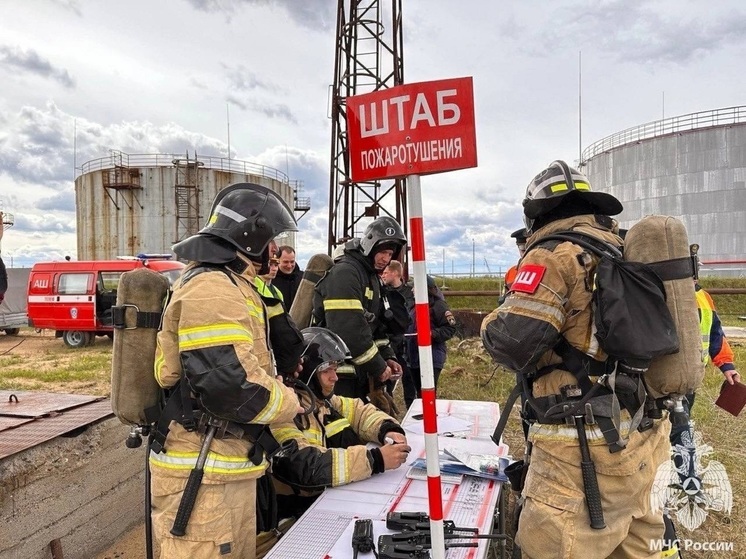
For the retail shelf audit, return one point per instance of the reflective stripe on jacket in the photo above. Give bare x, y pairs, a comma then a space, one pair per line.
347, 302
715, 345
215, 333
314, 464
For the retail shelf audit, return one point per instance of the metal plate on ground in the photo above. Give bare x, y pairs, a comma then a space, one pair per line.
37, 431
11, 422
38, 404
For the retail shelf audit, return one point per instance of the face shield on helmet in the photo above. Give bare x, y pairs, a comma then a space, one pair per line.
323, 349
244, 217
558, 183
383, 233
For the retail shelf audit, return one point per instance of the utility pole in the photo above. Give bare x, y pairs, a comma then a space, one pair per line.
369, 57
473, 258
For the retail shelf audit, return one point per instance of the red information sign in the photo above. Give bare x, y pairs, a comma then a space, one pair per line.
412, 129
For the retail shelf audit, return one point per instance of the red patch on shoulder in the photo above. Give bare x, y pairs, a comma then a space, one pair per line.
528, 278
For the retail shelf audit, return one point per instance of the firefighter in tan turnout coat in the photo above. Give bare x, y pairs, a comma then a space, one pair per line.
215, 339
548, 312
328, 447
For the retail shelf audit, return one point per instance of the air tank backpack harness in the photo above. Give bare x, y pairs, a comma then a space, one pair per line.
646, 321
137, 399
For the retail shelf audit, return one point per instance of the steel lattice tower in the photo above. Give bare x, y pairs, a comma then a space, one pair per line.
369, 57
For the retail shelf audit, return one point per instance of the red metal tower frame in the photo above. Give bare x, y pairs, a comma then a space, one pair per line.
368, 58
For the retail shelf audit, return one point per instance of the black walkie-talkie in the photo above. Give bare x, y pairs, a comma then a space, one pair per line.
362, 536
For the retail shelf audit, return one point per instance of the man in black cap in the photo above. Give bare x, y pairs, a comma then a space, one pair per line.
520, 236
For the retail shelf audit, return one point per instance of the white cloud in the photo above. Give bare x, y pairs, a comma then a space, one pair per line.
174, 76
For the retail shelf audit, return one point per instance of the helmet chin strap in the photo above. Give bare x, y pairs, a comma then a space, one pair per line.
238, 264
262, 267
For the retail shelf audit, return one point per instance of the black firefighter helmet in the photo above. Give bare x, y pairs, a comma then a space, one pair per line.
322, 349
559, 183
383, 233
244, 217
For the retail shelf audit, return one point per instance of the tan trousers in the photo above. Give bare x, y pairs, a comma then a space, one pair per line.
222, 524
555, 522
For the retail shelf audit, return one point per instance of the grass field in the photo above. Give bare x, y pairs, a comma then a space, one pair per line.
468, 375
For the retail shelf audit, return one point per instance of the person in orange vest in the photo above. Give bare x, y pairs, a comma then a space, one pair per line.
715, 347
520, 236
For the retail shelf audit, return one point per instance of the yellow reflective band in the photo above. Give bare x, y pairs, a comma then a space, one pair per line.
343, 305
534, 309
367, 356
579, 185
314, 436
368, 293
372, 419
559, 187
705, 323
257, 311
160, 361
268, 414
348, 408
345, 370
562, 433
215, 464
274, 310
200, 336
286, 434
382, 343
336, 427
340, 473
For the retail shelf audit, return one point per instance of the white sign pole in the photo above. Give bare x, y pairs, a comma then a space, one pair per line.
427, 377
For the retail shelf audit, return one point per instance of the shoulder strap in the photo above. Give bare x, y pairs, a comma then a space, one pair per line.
189, 274
597, 246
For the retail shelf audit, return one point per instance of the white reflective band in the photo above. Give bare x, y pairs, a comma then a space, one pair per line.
229, 213
286, 434
343, 305
336, 427
367, 356
534, 309
270, 410
565, 433
345, 370
57, 299
348, 408
255, 310
215, 464
340, 475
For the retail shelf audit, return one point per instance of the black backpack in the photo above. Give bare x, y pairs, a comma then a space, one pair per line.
633, 323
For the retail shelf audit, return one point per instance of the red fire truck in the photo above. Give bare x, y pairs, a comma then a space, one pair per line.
74, 298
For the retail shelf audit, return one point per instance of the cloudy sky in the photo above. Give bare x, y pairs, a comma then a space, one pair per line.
82, 77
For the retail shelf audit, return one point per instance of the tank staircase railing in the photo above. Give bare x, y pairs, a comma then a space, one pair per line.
167, 160
664, 127
121, 178
186, 196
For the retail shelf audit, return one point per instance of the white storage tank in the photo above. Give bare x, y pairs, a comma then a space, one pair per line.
692, 167
130, 204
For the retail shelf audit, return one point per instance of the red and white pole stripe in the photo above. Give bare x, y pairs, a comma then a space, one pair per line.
427, 377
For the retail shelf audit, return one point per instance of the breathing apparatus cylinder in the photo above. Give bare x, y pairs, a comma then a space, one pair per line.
141, 296
302, 307
658, 238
